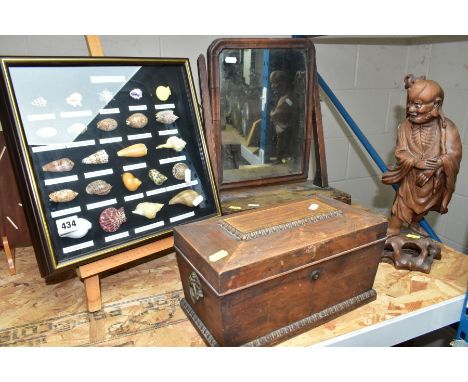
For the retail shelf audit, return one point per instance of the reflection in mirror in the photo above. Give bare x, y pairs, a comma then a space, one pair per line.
262, 112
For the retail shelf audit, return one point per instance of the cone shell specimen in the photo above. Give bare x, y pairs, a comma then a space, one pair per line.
137, 120
133, 151
130, 182
112, 218
62, 196
156, 176
74, 99
59, 165
166, 116
148, 210
99, 157
186, 198
98, 187
173, 143
107, 124
163, 92
179, 170
82, 228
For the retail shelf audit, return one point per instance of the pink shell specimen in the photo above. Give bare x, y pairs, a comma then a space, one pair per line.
112, 218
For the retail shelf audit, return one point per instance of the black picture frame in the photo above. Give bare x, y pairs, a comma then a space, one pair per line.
50, 109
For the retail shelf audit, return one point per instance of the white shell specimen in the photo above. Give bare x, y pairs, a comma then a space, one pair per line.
74, 99
136, 93
148, 210
63, 196
98, 187
173, 143
39, 102
82, 228
105, 95
137, 120
166, 116
77, 128
179, 170
98, 157
107, 124
189, 198
163, 92
46, 132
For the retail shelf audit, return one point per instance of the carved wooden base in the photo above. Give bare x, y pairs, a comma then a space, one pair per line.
411, 253
291, 330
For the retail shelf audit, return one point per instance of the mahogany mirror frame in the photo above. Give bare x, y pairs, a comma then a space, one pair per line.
313, 117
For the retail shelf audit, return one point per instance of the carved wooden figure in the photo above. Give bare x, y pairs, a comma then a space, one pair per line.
428, 154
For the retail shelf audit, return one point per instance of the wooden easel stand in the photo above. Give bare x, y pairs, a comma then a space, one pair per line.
90, 273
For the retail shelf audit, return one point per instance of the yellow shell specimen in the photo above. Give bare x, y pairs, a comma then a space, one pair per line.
130, 182
163, 92
173, 143
133, 151
62, 196
147, 209
187, 198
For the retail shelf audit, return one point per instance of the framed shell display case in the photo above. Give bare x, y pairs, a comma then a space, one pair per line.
109, 153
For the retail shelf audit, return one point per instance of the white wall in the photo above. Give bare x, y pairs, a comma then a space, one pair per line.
366, 74
367, 77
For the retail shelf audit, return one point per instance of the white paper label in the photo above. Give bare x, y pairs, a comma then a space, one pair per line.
95, 174
133, 197
40, 149
253, 205
68, 211
110, 140
197, 200
149, 226
91, 142
187, 175
114, 110
66, 225
182, 217
134, 166
116, 236
41, 117
164, 106
137, 107
138, 136
104, 203
74, 114
109, 79
181, 185
173, 159
156, 191
218, 255
168, 132
230, 60
64, 179
313, 207
77, 247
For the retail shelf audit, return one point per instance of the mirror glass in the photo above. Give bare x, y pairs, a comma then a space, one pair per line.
262, 113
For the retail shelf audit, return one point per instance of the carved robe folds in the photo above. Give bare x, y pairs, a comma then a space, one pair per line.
420, 190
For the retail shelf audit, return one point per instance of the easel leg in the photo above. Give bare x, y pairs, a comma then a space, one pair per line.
93, 293
10, 255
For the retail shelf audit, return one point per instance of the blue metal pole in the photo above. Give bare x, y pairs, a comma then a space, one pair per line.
367, 145
265, 138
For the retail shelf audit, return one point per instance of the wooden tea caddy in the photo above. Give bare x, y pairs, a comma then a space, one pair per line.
259, 277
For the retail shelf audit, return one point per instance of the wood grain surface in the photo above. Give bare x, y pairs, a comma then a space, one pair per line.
141, 304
